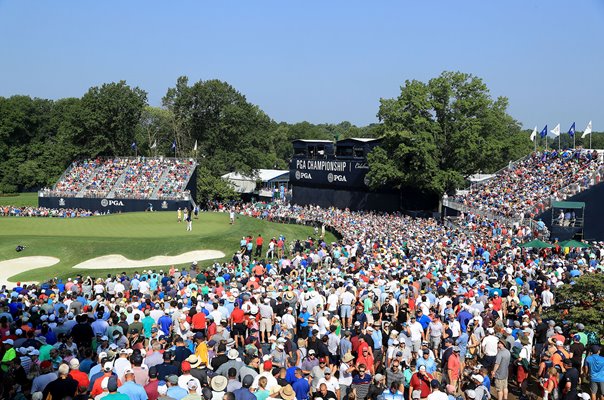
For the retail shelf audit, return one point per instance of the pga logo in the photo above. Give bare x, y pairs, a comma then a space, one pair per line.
106, 203
303, 175
336, 178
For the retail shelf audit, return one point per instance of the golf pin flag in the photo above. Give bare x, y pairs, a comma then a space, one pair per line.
154, 145
587, 130
133, 145
174, 145
534, 134
571, 131
195, 147
556, 131
543, 132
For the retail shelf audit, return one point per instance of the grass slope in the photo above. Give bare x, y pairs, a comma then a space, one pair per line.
134, 235
20, 200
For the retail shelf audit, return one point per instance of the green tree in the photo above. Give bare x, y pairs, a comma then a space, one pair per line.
211, 187
438, 133
581, 302
110, 115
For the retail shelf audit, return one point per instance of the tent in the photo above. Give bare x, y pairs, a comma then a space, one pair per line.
537, 244
574, 244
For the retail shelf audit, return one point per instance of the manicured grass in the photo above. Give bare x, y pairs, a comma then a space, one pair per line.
134, 235
20, 200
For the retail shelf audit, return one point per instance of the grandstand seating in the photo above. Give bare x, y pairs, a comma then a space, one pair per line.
527, 187
126, 177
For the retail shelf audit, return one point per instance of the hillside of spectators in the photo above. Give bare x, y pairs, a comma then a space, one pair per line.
528, 187
400, 308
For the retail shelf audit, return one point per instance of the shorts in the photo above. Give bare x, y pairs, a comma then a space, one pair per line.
489, 361
239, 329
266, 325
501, 384
416, 346
595, 386
345, 311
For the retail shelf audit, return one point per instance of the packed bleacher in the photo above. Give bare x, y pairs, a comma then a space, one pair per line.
172, 186
135, 178
527, 187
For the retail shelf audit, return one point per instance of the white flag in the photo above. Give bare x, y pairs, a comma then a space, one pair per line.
556, 131
534, 134
587, 130
154, 145
195, 147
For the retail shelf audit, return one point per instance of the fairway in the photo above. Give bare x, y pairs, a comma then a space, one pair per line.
134, 235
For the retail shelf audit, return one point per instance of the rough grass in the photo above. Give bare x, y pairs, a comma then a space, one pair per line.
20, 200
134, 235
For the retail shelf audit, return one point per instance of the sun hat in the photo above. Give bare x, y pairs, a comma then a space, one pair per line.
193, 361
219, 383
287, 393
232, 354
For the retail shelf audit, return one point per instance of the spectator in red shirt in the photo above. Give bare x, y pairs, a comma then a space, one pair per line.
421, 381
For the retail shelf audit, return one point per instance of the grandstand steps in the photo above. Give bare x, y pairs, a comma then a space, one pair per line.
85, 185
164, 176
117, 184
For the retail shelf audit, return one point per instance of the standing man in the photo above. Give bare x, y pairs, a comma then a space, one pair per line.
501, 370
189, 221
259, 242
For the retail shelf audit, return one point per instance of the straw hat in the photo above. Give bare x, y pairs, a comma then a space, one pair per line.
287, 393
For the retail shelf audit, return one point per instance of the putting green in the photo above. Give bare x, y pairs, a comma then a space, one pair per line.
136, 236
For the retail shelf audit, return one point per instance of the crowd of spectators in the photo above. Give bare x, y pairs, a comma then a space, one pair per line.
399, 308
105, 177
13, 211
527, 187
136, 178
76, 177
177, 176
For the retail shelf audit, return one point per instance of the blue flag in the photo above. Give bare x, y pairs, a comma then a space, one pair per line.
543, 133
133, 145
571, 131
174, 145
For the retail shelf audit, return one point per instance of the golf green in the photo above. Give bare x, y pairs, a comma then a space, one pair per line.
133, 235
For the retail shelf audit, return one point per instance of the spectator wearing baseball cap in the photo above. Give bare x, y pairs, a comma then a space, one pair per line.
46, 376
130, 388
75, 373
9, 353
186, 377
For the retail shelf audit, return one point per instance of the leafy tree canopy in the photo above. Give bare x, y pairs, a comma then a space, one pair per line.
440, 132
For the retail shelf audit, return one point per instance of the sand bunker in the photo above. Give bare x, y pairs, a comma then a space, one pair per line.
119, 261
15, 266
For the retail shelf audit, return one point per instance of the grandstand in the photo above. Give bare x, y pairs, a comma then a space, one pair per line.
121, 184
526, 189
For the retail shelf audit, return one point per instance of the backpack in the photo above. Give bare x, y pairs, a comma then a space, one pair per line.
592, 339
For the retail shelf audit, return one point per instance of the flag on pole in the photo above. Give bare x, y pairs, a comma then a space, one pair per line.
174, 145
534, 134
195, 147
571, 131
154, 145
543, 132
556, 131
133, 145
587, 130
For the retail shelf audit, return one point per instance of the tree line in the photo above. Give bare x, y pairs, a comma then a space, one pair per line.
435, 133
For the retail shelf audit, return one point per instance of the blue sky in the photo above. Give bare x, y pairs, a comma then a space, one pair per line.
320, 61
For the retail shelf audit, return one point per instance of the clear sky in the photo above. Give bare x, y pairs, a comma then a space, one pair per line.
320, 61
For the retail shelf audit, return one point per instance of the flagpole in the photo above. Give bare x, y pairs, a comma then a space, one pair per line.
559, 142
